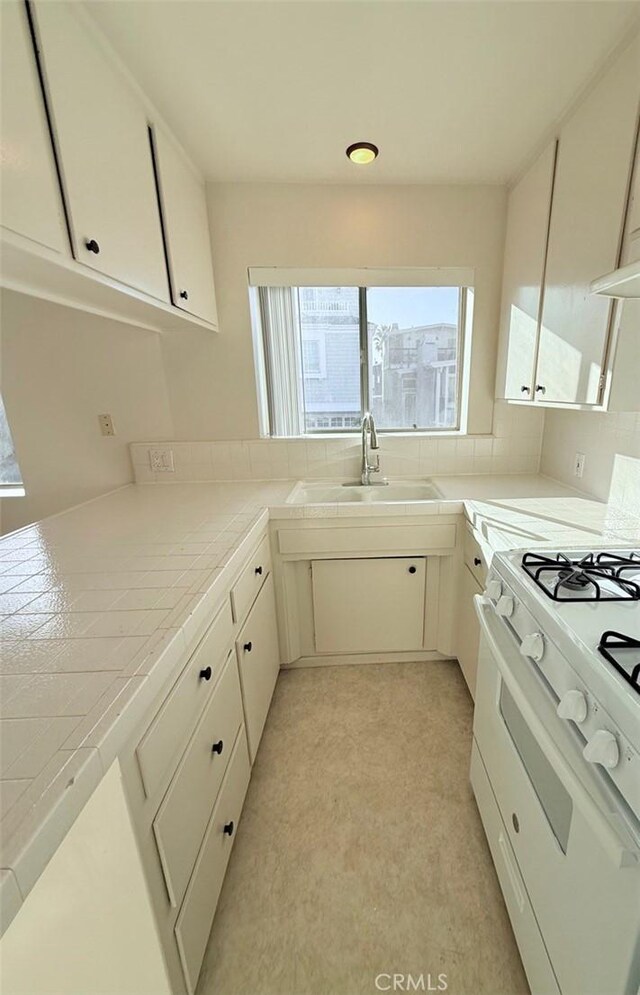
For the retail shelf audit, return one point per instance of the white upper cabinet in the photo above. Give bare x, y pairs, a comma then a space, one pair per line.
101, 132
590, 192
186, 230
524, 258
31, 201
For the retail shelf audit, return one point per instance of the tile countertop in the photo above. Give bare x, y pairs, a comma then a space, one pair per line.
99, 606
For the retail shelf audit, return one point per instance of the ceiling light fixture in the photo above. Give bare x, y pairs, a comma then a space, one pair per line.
362, 153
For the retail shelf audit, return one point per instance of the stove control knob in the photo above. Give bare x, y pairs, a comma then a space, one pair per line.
505, 606
573, 706
603, 749
494, 590
533, 646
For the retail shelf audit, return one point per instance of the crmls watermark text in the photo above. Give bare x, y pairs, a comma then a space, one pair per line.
411, 983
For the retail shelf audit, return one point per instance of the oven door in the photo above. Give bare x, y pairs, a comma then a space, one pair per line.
576, 847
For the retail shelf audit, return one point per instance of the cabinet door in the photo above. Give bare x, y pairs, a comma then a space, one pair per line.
524, 257
469, 629
31, 199
259, 662
186, 230
103, 140
369, 606
590, 190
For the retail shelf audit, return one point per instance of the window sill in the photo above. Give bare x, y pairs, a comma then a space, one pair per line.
355, 434
11, 490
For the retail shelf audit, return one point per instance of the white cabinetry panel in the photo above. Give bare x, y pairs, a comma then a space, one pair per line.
102, 136
186, 230
196, 915
258, 654
31, 199
181, 820
524, 258
369, 605
591, 184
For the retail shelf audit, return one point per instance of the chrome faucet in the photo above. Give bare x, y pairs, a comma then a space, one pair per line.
369, 442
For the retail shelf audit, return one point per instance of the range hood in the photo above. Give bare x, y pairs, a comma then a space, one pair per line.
623, 282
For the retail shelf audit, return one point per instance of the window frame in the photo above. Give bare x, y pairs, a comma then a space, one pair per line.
462, 373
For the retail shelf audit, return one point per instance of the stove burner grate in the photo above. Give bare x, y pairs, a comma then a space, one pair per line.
591, 577
611, 641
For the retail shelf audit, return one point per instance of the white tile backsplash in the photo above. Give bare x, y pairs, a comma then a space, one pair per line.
514, 447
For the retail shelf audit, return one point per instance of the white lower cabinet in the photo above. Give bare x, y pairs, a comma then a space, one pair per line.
196, 915
369, 605
186, 807
187, 769
469, 629
259, 662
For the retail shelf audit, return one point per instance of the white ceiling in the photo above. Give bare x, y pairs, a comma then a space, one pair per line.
452, 92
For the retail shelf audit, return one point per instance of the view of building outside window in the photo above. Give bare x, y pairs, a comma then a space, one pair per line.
413, 356
413, 347
330, 333
9, 469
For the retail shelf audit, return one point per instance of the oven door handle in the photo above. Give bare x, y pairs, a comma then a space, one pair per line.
622, 853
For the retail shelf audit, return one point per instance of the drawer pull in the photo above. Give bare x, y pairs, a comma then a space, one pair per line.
248, 647
92, 246
412, 570
218, 747
228, 829
259, 571
184, 295
477, 561
205, 675
516, 822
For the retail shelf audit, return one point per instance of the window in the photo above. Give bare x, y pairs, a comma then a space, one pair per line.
10, 476
331, 353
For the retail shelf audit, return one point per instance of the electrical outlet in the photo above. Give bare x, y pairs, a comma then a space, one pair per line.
106, 424
161, 460
578, 466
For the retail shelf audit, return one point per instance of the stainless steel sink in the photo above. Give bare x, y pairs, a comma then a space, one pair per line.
334, 492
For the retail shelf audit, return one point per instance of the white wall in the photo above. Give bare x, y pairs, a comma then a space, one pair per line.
599, 436
60, 370
211, 379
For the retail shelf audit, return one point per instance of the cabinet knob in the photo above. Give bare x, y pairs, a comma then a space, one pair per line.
477, 561
259, 571
92, 246
185, 295
412, 570
228, 829
205, 674
515, 821
248, 647
540, 389
525, 390
218, 747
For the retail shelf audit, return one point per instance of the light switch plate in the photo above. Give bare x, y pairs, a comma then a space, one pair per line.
161, 460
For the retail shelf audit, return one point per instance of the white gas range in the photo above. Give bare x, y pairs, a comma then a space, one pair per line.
556, 761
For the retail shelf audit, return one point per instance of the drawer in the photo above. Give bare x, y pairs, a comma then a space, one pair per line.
394, 539
245, 589
540, 974
182, 818
474, 556
193, 924
174, 722
259, 662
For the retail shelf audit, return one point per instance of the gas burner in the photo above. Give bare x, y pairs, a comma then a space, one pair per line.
590, 577
615, 647
573, 580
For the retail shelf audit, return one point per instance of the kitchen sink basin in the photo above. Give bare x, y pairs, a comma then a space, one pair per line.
328, 492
